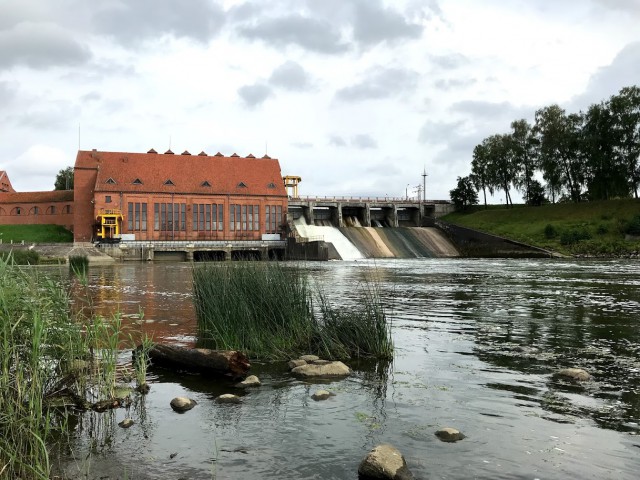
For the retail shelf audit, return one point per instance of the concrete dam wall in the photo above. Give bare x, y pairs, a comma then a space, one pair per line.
352, 243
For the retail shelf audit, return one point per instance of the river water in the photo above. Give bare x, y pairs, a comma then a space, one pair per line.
477, 342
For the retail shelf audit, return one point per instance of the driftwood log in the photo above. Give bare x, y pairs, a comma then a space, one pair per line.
221, 362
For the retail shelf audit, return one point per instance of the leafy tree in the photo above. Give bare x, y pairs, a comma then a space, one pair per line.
524, 146
625, 109
64, 179
561, 150
501, 168
480, 171
605, 174
464, 195
535, 195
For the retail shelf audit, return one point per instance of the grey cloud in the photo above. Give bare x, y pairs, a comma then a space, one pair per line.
624, 71
254, 95
313, 34
52, 116
290, 76
628, 6
439, 132
133, 21
380, 83
451, 83
7, 93
492, 110
449, 62
363, 141
374, 24
337, 141
91, 97
304, 145
40, 45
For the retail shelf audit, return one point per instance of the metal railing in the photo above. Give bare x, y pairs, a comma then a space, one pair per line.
363, 199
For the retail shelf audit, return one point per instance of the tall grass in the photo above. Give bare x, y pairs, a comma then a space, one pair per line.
79, 263
269, 311
52, 363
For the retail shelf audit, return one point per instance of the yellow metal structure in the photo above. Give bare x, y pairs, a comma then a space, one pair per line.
108, 223
291, 184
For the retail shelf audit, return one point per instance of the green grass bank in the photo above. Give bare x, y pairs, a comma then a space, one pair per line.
35, 234
603, 228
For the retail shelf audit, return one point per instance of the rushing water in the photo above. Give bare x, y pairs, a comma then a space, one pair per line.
476, 342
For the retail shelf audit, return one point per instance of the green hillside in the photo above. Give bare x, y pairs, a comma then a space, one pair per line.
35, 234
589, 228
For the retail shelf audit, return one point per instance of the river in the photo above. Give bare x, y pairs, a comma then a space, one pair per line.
476, 344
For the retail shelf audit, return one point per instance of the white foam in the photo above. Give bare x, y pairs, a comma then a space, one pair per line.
345, 248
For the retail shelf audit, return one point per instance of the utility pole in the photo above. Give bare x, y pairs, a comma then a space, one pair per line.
424, 184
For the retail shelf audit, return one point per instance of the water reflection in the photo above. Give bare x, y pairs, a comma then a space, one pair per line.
476, 341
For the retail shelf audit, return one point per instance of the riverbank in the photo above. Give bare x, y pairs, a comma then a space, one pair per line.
588, 229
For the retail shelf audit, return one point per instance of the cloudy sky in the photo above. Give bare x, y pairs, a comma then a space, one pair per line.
354, 96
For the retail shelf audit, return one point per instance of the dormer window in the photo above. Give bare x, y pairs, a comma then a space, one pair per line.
137, 181
110, 181
242, 185
169, 183
205, 184
271, 185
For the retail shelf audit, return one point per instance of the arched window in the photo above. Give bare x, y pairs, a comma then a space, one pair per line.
2, 212
16, 211
34, 211
66, 209
51, 210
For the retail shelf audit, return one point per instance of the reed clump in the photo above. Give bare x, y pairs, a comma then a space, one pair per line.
79, 263
52, 364
269, 311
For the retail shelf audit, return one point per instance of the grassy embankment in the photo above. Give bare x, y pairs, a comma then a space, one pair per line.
54, 363
271, 312
30, 234
589, 228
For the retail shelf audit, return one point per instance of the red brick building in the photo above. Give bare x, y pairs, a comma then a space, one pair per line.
34, 208
152, 196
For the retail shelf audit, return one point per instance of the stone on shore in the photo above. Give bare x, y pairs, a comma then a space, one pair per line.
322, 395
309, 358
296, 363
250, 381
575, 374
228, 398
332, 369
384, 462
449, 434
182, 404
126, 423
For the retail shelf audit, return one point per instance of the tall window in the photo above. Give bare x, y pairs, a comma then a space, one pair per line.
243, 218
273, 218
207, 217
137, 217
170, 217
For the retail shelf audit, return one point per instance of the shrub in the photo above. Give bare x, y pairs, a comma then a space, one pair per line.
633, 228
573, 236
550, 231
602, 229
21, 257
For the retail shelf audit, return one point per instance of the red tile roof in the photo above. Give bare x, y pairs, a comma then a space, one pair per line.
187, 172
5, 183
37, 197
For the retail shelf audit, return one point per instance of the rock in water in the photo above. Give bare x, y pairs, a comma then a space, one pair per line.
182, 404
575, 374
126, 423
321, 395
309, 358
296, 363
250, 381
449, 434
228, 398
384, 462
332, 369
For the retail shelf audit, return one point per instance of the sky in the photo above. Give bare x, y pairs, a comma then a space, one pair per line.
357, 97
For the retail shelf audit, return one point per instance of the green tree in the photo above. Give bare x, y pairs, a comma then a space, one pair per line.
464, 195
524, 147
625, 109
501, 166
535, 195
561, 150
64, 179
480, 171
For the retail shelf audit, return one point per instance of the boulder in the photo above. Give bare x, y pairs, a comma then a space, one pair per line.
574, 374
228, 398
384, 462
296, 363
449, 434
322, 395
182, 404
309, 358
332, 369
250, 381
126, 423
321, 362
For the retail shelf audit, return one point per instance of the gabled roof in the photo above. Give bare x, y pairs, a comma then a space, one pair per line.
5, 183
187, 172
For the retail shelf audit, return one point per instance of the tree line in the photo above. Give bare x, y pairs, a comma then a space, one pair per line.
592, 155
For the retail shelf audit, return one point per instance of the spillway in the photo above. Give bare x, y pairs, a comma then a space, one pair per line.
343, 246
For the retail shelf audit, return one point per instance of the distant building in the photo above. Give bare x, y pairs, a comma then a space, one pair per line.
151, 196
